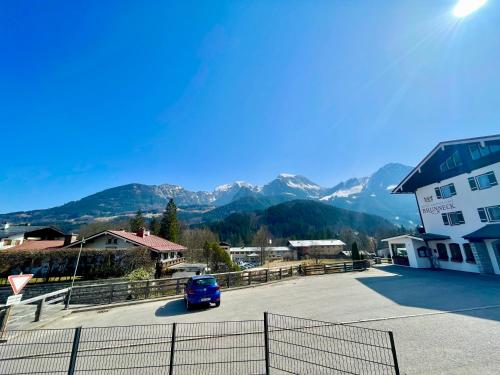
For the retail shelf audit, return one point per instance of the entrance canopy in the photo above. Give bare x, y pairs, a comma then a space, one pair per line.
488, 232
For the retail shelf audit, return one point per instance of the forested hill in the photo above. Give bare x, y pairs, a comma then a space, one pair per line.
300, 219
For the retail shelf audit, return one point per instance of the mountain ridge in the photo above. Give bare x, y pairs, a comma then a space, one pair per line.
365, 194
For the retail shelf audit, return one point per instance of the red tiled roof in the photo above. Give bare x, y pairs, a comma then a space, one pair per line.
38, 245
150, 241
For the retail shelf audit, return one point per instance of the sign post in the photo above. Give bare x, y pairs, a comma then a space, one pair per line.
17, 282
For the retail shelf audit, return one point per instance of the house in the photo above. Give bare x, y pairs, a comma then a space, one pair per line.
316, 248
458, 196
253, 253
13, 236
161, 248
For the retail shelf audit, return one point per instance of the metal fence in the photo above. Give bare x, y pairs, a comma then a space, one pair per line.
275, 345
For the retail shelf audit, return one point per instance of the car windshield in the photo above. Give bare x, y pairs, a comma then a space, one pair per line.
204, 282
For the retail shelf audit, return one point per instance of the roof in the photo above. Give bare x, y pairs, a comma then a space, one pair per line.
420, 237
434, 175
150, 241
488, 232
308, 243
14, 230
38, 245
258, 248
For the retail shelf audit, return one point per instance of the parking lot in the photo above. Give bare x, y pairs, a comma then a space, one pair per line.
444, 322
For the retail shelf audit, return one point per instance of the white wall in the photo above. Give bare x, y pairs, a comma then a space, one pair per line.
17, 238
101, 243
456, 266
465, 200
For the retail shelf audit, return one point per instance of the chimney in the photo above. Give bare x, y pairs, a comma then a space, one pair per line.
142, 232
69, 238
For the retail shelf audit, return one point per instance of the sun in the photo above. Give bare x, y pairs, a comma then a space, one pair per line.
466, 7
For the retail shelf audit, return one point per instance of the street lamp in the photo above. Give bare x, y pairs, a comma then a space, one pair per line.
74, 273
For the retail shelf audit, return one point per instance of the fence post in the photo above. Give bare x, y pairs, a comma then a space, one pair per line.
345, 267
228, 280
146, 292
40, 306
281, 274
178, 286
267, 275
394, 356
4, 318
111, 293
249, 277
172, 350
74, 351
266, 342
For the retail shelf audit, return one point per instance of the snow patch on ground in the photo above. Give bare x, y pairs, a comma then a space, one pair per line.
390, 187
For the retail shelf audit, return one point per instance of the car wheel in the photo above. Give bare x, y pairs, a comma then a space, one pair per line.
217, 304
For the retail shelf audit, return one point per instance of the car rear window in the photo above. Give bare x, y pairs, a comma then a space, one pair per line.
204, 282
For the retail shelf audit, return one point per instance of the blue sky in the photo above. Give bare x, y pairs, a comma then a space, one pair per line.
97, 94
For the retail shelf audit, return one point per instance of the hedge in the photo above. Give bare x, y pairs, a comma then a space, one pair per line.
94, 263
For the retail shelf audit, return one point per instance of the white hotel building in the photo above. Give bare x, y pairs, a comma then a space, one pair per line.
458, 195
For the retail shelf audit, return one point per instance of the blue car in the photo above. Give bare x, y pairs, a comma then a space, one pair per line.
200, 290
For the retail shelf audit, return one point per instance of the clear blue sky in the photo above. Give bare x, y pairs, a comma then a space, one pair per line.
95, 94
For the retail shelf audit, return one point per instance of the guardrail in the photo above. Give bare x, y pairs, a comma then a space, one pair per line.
59, 296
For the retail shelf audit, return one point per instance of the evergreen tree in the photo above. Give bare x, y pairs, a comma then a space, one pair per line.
169, 226
355, 251
154, 226
137, 222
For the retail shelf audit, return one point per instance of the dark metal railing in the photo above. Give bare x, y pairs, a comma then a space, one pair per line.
277, 344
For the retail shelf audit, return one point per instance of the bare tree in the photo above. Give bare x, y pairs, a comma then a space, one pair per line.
194, 239
262, 239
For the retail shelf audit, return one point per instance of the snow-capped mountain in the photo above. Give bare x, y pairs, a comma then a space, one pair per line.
365, 194
224, 194
294, 186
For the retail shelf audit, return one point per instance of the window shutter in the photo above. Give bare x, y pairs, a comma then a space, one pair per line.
482, 215
472, 183
445, 219
460, 217
492, 178
438, 193
452, 189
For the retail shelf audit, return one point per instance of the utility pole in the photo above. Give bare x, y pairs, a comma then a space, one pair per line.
74, 273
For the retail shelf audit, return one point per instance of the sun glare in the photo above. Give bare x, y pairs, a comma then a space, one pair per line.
466, 7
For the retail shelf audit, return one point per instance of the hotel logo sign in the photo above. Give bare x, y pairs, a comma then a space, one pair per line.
439, 207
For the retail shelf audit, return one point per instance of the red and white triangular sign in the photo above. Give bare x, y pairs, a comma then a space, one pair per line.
18, 282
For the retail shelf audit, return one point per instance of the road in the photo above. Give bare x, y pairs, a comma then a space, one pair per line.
429, 340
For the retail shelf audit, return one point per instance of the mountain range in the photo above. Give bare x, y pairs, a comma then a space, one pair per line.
365, 194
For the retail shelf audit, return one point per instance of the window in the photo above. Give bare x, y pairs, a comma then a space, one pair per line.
446, 221
477, 151
399, 250
110, 240
115, 240
452, 162
484, 181
456, 254
422, 252
489, 214
456, 218
446, 191
453, 218
482, 215
442, 253
469, 255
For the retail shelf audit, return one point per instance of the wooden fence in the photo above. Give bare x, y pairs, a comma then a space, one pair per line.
321, 269
139, 290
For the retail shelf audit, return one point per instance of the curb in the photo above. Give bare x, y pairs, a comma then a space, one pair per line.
168, 298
